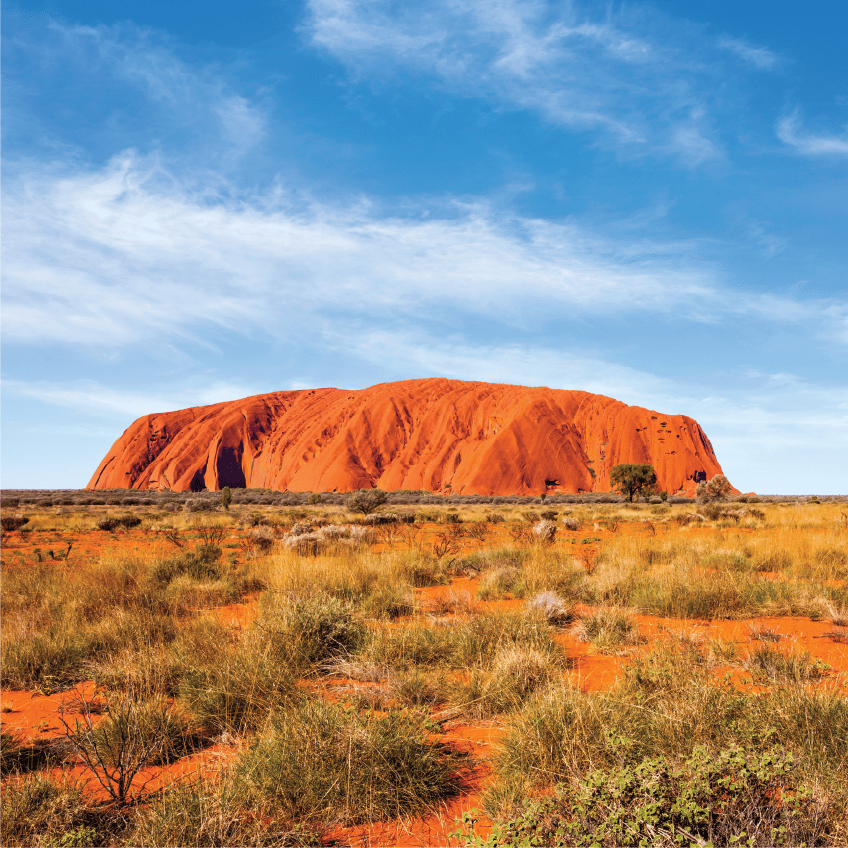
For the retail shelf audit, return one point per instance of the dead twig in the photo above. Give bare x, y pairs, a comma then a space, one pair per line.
115, 758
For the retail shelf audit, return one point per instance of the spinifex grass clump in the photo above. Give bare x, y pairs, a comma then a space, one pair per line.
717, 577
515, 673
322, 763
18, 755
607, 629
308, 631
551, 607
168, 732
768, 663
239, 689
63, 652
201, 564
42, 810
220, 812
499, 582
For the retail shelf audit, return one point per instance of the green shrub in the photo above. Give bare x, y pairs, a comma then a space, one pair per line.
728, 797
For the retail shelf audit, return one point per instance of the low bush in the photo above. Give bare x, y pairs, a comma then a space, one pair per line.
10, 523
366, 501
728, 797
113, 523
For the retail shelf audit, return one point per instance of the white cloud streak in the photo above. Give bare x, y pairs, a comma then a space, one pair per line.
111, 256
197, 103
93, 398
123, 255
643, 82
789, 132
760, 57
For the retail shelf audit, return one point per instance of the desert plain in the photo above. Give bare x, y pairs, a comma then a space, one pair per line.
427, 671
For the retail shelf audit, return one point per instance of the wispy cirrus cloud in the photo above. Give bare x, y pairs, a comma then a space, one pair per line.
138, 91
93, 397
760, 57
125, 254
790, 132
110, 256
643, 81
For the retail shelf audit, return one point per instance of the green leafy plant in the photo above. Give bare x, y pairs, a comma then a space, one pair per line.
728, 797
632, 480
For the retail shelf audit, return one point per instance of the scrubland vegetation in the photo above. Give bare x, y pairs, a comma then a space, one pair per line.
308, 663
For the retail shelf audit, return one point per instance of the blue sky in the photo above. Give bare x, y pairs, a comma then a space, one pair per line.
204, 201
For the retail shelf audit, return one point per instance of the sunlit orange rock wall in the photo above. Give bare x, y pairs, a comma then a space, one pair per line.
436, 434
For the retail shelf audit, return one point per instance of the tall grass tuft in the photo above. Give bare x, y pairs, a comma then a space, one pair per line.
319, 762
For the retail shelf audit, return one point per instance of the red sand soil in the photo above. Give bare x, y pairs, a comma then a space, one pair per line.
33, 716
439, 435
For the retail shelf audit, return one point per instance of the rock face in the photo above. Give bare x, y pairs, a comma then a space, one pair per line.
440, 435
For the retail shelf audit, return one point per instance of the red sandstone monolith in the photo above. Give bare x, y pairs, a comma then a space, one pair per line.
441, 435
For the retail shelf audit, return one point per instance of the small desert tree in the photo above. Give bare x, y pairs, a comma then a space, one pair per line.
633, 480
716, 489
226, 497
366, 500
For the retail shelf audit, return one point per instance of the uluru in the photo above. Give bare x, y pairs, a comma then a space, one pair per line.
436, 434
